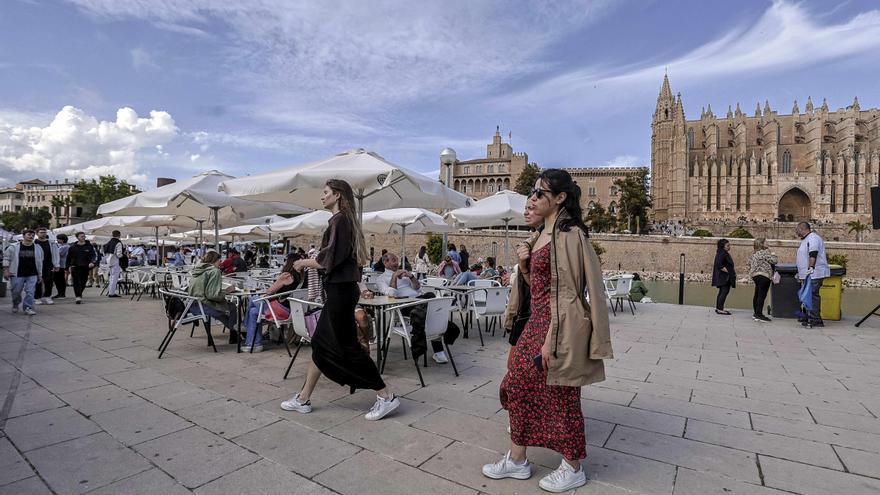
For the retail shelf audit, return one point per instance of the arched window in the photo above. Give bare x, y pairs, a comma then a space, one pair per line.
612, 208
490, 168
491, 189
717, 136
690, 139
833, 196
786, 162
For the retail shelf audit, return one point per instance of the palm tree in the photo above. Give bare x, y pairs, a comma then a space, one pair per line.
858, 227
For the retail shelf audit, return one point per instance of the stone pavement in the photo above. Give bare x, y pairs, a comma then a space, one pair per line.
694, 404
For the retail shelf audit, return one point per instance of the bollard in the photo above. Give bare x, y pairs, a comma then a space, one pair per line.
681, 260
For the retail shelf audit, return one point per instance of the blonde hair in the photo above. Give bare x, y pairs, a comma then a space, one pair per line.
211, 257
759, 243
347, 208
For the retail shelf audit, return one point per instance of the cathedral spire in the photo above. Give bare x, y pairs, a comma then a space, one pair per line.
809, 104
824, 105
665, 91
729, 112
709, 111
758, 109
678, 110
739, 112
855, 104
767, 110
795, 110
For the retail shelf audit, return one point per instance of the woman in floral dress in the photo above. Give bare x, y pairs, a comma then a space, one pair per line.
562, 345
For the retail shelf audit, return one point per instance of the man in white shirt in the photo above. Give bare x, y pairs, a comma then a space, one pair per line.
812, 261
396, 282
114, 251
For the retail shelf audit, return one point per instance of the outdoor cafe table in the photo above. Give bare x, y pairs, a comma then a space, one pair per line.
380, 305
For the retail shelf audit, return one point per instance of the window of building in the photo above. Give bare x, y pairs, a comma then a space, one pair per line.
786, 162
491, 188
612, 190
612, 208
501, 167
690, 139
490, 169
778, 134
591, 191
833, 196
479, 169
79, 211
467, 169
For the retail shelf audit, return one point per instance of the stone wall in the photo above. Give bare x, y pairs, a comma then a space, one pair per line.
785, 230
647, 253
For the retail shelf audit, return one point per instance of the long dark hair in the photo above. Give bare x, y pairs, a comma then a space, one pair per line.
722, 243
559, 181
422, 251
347, 208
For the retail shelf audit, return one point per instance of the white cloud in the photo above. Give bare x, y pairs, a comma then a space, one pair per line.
75, 144
623, 161
194, 157
142, 59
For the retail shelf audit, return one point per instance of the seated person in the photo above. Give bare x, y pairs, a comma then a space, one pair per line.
178, 259
264, 262
287, 281
396, 282
488, 272
464, 277
207, 286
233, 263
448, 269
638, 290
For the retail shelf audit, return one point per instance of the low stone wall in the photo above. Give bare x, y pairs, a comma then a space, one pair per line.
646, 254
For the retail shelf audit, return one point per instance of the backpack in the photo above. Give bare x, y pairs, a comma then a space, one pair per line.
110, 248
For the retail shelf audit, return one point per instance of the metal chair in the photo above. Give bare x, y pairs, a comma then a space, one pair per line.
436, 321
265, 303
621, 293
298, 310
185, 316
493, 306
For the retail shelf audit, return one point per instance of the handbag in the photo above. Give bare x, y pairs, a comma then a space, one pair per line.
312, 322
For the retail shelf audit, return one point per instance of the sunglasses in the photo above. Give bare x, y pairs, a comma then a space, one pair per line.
539, 193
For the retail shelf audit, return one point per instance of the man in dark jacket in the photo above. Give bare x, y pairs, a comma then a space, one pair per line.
81, 258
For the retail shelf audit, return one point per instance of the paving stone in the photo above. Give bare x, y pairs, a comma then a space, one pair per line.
152, 482
860, 462
33, 400
658, 389
177, 395
323, 415
452, 398
367, 472
70, 382
263, 477
48, 427
139, 378
390, 438
795, 449
714, 387
692, 410
111, 364
13, 467
300, 449
136, 424
607, 395
101, 399
195, 456
684, 452
819, 433
752, 405
690, 482
28, 486
856, 422
227, 418
810, 480
638, 418
86, 463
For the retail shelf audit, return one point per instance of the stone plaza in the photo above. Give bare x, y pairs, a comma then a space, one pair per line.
694, 404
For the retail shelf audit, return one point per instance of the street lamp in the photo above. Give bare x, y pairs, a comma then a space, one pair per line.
448, 158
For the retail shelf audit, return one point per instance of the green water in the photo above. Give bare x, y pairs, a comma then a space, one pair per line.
856, 302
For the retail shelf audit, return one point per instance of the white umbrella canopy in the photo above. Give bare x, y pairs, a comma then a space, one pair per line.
307, 224
502, 208
239, 233
377, 184
403, 220
128, 223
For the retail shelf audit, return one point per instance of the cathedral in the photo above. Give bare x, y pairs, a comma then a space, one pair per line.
817, 165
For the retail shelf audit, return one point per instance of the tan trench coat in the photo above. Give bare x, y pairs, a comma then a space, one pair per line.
579, 332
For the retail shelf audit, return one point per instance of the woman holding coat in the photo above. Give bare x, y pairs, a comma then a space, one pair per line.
723, 275
563, 343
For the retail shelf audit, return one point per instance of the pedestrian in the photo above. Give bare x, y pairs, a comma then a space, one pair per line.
23, 266
464, 256
812, 262
454, 254
563, 343
723, 275
760, 266
60, 277
336, 352
81, 258
117, 261
422, 263
152, 255
51, 264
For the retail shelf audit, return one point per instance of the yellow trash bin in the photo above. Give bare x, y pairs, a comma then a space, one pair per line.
831, 290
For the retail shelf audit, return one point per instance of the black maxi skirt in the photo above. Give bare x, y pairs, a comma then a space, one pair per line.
335, 347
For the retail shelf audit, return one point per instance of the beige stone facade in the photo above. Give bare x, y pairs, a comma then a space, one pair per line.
816, 165
38, 194
11, 199
485, 176
597, 185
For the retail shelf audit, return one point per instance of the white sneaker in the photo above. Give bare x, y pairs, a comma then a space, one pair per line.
40, 302
79, 300
506, 468
565, 478
441, 357
382, 408
294, 404
48, 301
15, 308
29, 312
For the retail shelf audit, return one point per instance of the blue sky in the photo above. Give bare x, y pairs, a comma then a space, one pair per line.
143, 88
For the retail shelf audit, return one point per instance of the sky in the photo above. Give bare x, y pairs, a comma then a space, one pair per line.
143, 89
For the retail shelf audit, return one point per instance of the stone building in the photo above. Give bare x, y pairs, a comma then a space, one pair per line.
597, 185
39, 194
485, 176
815, 165
11, 199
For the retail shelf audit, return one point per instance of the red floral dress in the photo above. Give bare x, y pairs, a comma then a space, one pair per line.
541, 415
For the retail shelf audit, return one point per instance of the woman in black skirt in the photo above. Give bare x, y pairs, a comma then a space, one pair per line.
336, 352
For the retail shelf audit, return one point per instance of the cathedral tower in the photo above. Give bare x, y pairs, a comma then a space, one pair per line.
669, 156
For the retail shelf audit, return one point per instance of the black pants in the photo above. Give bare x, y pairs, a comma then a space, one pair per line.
335, 347
60, 279
762, 286
722, 296
80, 276
44, 285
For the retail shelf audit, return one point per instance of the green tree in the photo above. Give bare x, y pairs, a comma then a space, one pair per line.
434, 246
93, 193
857, 227
526, 180
16, 221
599, 220
635, 200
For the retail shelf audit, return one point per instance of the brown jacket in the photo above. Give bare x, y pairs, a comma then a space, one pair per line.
579, 332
